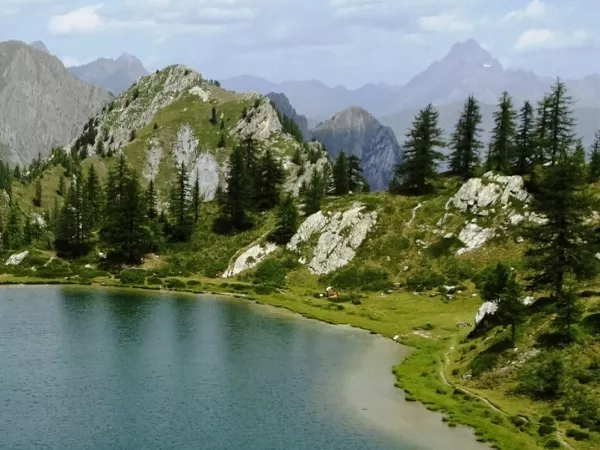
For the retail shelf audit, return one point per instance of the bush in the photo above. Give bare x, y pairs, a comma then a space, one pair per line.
552, 443
270, 272
483, 362
91, 273
193, 283
543, 377
545, 429
174, 283
133, 276
362, 278
154, 280
425, 282
444, 247
577, 435
264, 289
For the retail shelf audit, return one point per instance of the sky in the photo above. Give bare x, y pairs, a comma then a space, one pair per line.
347, 42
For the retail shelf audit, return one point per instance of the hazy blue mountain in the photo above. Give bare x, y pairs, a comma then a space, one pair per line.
115, 75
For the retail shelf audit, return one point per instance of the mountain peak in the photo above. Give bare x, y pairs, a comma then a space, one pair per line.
470, 51
40, 46
128, 58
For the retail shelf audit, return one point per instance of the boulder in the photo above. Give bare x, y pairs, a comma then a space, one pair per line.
250, 258
17, 258
340, 237
260, 122
473, 237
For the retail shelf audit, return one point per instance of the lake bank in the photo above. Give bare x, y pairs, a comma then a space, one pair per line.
419, 373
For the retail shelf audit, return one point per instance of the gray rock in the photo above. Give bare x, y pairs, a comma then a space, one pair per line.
250, 258
35, 86
186, 144
284, 107
340, 237
207, 170
357, 132
473, 237
260, 123
17, 258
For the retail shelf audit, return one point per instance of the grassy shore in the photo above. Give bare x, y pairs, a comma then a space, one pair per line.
427, 323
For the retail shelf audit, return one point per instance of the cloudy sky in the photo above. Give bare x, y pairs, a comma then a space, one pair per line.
348, 42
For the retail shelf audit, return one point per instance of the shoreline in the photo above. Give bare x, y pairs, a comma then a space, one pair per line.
407, 372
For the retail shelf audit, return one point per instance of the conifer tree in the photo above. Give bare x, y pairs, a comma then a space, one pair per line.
503, 135
73, 237
287, 221
269, 182
179, 207
313, 193
196, 200
37, 198
594, 169
561, 128
341, 174
222, 124
125, 229
236, 200
92, 199
327, 180
525, 141
465, 142
61, 186
12, 236
542, 133
151, 210
222, 142
17, 173
511, 310
563, 246
418, 168
213, 116
355, 178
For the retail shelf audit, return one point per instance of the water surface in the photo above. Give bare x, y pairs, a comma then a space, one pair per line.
104, 369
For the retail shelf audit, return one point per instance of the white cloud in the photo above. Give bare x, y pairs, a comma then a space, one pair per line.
82, 20
444, 23
535, 10
545, 39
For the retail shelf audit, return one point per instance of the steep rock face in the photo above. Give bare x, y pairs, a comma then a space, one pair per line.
284, 107
357, 132
43, 105
340, 235
114, 75
260, 122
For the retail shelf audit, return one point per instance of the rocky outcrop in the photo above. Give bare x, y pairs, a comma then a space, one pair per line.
249, 259
261, 122
479, 194
340, 235
474, 237
490, 308
137, 107
17, 258
153, 159
186, 144
43, 105
206, 169
357, 132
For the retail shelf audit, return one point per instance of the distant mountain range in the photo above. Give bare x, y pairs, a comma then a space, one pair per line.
115, 75
467, 69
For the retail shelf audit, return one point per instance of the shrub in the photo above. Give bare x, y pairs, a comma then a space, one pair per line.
577, 435
483, 362
543, 377
545, 429
270, 272
552, 443
91, 273
425, 282
154, 280
458, 269
560, 414
174, 283
444, 247
264, 289
133, 276
193, 283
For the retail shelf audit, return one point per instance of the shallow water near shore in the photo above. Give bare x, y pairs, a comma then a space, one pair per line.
94, 368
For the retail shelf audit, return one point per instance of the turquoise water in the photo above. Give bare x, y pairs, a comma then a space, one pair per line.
102, 369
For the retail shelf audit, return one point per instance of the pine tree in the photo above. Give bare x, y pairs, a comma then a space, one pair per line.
287, 221
125, 229
269, 182
100, 149
525, 141
561, 128
237, 199
151, 210
503, 135
222, 142
179, 207
594, 169
213, 116
196, 200
511, 310
341, 174
418, 168
465, 140
92, 199
313, 193
12, 236
542, 133
27, 232
222, 124
61, 186
563, 246
37, 198
355, 178
73, 236
17, 173
569, 311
